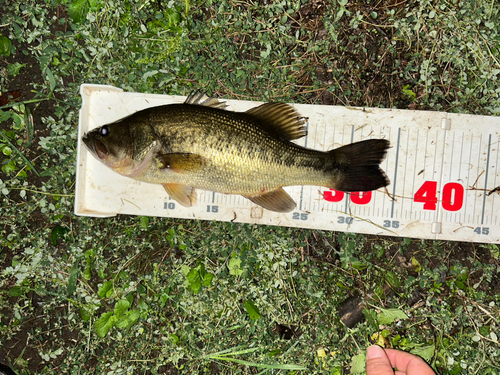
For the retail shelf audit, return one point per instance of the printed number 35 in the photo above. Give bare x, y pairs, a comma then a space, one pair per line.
391, 224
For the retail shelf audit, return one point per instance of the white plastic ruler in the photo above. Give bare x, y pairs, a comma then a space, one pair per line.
443, 168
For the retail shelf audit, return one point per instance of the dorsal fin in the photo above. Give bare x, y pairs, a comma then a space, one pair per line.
198, 97
282, 119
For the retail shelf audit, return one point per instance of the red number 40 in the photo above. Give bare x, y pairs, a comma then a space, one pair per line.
453, 196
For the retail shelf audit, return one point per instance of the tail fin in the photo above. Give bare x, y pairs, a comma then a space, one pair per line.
358, 166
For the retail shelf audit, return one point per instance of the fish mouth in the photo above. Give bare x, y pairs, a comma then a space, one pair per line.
95, 146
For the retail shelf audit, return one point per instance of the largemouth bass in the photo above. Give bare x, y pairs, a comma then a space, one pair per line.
199, 144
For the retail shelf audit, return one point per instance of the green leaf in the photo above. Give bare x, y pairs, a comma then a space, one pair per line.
416, 264
13, 69
89, 266
73, 278
7, 168
128, 319
58, 232
174, 338
193, 275
5, 46
387, 316
16, 291
105, 323
358, 265
6, 150
141, 305
144, 220
141, 289
393, 280
18, 120
185, 270
196, 276
5, 115
408, 93
252, 310
371, 317
48, 172
358, 364
426, 352
121, 306
5, 136
195, 286
234, 266
78, 10
52, 80
30, 127
85, 314
207, 279
130, 298
104, 289
460, 285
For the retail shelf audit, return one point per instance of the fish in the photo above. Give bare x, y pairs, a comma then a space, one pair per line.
199, 144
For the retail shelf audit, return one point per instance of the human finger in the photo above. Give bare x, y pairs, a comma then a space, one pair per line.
407, 363
377, 362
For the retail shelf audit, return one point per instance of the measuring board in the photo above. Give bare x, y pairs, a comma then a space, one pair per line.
443, 169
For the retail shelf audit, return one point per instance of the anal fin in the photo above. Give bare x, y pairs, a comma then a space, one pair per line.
277, 201
183, 194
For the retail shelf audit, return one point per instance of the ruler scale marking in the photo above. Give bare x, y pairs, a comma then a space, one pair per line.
440, 211
478, 217
395, 173
405, 169
493, 195
425, 153
486, 179
473, 209
415, 170
386, 164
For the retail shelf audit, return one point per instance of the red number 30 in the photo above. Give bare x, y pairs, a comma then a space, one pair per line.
357, 197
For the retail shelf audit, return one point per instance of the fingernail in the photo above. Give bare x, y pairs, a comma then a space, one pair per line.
374, 351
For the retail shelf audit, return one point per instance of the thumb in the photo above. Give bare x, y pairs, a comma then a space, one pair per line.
377, 362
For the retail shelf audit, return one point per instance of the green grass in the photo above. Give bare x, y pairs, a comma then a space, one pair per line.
149, 295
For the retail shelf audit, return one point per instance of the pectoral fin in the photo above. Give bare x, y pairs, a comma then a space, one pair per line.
185, 195
277, 200
181, 163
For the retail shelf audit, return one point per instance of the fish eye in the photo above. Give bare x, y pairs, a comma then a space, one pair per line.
104, 131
